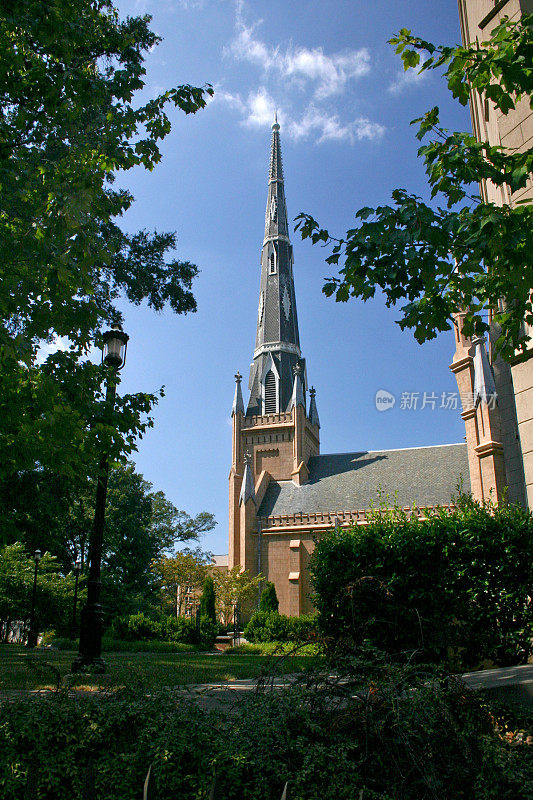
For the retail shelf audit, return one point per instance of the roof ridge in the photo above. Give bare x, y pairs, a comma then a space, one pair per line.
393, 449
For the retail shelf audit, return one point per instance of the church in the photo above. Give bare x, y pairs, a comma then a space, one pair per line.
282, 491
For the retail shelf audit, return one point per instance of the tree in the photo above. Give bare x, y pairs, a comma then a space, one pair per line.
142, 527
180, 576
470, 255
269, 599
207, 600
54, 595
234, 587
69, 72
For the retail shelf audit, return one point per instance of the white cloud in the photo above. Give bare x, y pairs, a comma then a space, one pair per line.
261, 109
405, 79
329, 73
305, 79
49, 348
258, 111
231, 100
328, 127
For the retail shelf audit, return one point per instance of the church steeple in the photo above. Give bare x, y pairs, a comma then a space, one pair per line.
277, 343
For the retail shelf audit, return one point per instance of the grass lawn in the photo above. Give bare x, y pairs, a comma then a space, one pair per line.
40, 669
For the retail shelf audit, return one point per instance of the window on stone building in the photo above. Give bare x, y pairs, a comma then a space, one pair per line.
270, 393
272, 263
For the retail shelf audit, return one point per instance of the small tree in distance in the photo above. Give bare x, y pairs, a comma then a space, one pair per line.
207, 600
269, 599
235, 587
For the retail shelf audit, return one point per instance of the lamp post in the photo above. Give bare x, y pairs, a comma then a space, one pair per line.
91, 619
73, 627
32, 634
236, 630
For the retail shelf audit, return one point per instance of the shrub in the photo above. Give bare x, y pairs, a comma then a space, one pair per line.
270, 626
179, 629
207, 600
208, 632
154, 646
275, 648
140, 628
269, 599
455, 586
136, 627
407, 734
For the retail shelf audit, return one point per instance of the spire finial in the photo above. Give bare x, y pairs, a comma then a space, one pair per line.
238, 403
313, 411
247, 488
298, 397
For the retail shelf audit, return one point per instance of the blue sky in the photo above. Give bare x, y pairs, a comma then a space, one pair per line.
344, 104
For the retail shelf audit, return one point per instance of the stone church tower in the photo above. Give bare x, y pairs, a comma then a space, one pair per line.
282, 492
276, 435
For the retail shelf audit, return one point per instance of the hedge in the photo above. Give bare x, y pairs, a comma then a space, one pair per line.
269, 626
140, 627
455, 587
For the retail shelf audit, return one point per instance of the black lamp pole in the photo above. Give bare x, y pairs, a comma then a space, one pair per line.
73, 627
236, 630
92, 617
32, 635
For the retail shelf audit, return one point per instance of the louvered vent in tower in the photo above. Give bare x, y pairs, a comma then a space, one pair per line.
270, 393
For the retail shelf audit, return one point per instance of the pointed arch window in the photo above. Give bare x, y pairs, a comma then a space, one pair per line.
270, 393
272, 263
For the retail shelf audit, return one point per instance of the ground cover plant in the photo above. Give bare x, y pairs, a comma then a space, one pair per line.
455, 587
377, 730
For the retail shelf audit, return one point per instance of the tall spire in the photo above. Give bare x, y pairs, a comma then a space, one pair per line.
313, 411
276, 164
277, 343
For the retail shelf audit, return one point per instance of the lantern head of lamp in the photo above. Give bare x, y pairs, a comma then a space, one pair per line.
77, 564
115, 346
37, 556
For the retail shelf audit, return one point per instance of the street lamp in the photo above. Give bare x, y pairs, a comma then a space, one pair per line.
236, 628
77, 568
91, 618
32, 635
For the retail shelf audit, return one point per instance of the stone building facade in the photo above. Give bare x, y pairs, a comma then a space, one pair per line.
500, 441
282, 491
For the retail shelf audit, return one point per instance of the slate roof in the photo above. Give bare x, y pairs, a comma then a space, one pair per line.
426, 476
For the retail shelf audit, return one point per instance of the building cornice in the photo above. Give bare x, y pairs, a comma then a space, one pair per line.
489, 449
462, 363
275, 238
273, 347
